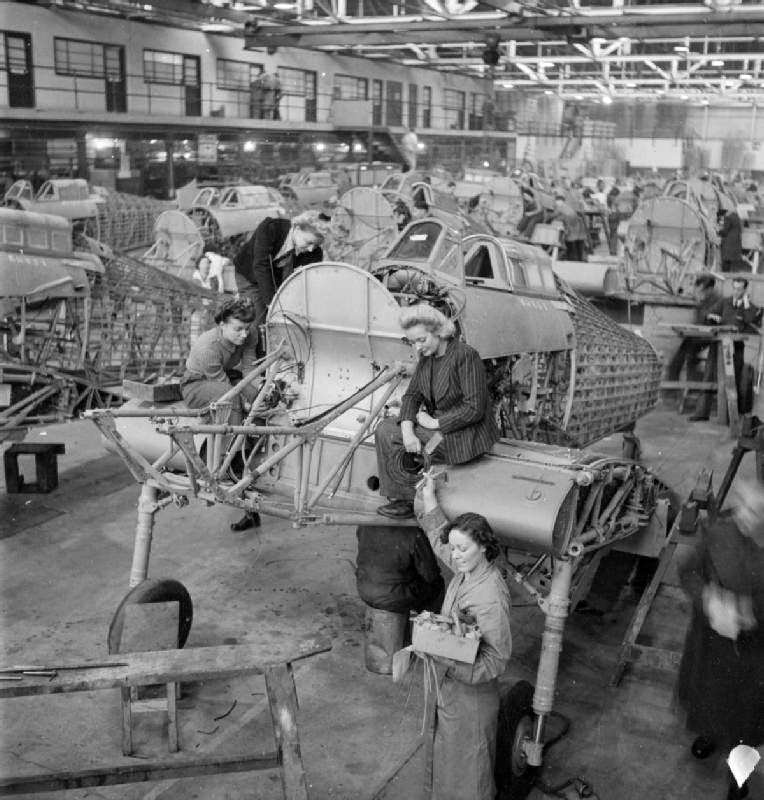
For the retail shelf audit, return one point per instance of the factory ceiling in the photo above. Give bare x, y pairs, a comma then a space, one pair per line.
708, 51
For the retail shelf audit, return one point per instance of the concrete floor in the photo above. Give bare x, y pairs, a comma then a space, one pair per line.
64, 562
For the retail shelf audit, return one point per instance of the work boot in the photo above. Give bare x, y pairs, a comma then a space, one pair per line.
703, 747
250, 520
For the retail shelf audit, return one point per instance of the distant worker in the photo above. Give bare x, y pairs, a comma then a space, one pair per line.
740, 313
210, 271
574, 228
401, 214
731, 235
461, 715
218, 359
688, 354
410, 148
276, 248
447, 395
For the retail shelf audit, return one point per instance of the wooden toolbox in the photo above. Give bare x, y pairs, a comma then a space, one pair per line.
437, 636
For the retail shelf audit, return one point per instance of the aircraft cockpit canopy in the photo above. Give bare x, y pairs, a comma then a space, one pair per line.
433, 244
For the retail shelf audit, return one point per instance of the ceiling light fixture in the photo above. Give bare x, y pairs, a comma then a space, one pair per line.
717, 62
606, 99
681, 49
744, 77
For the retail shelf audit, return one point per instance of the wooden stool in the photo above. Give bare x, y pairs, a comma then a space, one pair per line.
46, 467
149, 627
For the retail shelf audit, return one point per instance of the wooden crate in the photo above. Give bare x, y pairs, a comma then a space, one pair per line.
444, 643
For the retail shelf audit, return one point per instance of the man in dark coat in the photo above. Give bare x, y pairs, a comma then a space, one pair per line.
739, 312
721, 676
271, 254
731, 236
707, 299
397, 570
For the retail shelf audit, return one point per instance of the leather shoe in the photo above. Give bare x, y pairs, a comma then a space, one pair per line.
698, 418
702, 747
397, 509
249, 520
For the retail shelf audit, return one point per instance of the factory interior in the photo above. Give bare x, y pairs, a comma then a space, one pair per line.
382, 399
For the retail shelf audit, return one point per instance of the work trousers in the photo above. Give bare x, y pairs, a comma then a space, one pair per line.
703, 407
395, 482
260, 299
575, 250
687, 355
198, 394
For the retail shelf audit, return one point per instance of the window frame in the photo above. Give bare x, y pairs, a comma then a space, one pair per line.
237, 87
360, 83
74, 73
178, 69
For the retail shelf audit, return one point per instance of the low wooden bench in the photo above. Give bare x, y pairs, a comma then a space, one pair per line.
274, 661
46, 466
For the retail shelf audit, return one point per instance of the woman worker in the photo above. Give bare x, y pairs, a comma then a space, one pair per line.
462, 716
276, 248
219, 357
449, 381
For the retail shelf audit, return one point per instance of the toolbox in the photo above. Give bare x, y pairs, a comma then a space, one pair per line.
437, 635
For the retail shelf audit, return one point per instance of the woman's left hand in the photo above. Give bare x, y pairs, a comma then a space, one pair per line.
426, 421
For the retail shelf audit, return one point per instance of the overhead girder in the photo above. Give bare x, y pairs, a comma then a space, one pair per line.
437, 31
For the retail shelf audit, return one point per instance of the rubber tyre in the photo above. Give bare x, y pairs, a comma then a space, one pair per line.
153, 590
514, 780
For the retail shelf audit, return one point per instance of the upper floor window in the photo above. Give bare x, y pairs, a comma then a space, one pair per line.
299, 83
161, 67
346, 87
427, 107
79, 58
237, 74
454, 102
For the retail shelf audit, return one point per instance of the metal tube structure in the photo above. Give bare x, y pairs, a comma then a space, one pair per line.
555, 607
339, 469
147, 506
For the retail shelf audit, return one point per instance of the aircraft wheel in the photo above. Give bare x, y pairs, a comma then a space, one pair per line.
514, 778
153, 590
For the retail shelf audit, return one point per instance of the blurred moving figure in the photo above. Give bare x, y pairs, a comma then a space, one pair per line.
721, 677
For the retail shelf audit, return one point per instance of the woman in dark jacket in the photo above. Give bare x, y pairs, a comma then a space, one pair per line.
721, 676
447, 395
272, 253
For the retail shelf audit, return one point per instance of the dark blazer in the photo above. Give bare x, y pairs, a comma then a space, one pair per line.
255, 259
396, 569
746, 320
459, 400
721, 682
731, 238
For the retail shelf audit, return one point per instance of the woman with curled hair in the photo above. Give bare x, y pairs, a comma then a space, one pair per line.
276, 249
447, 394
462, 716
221, 356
